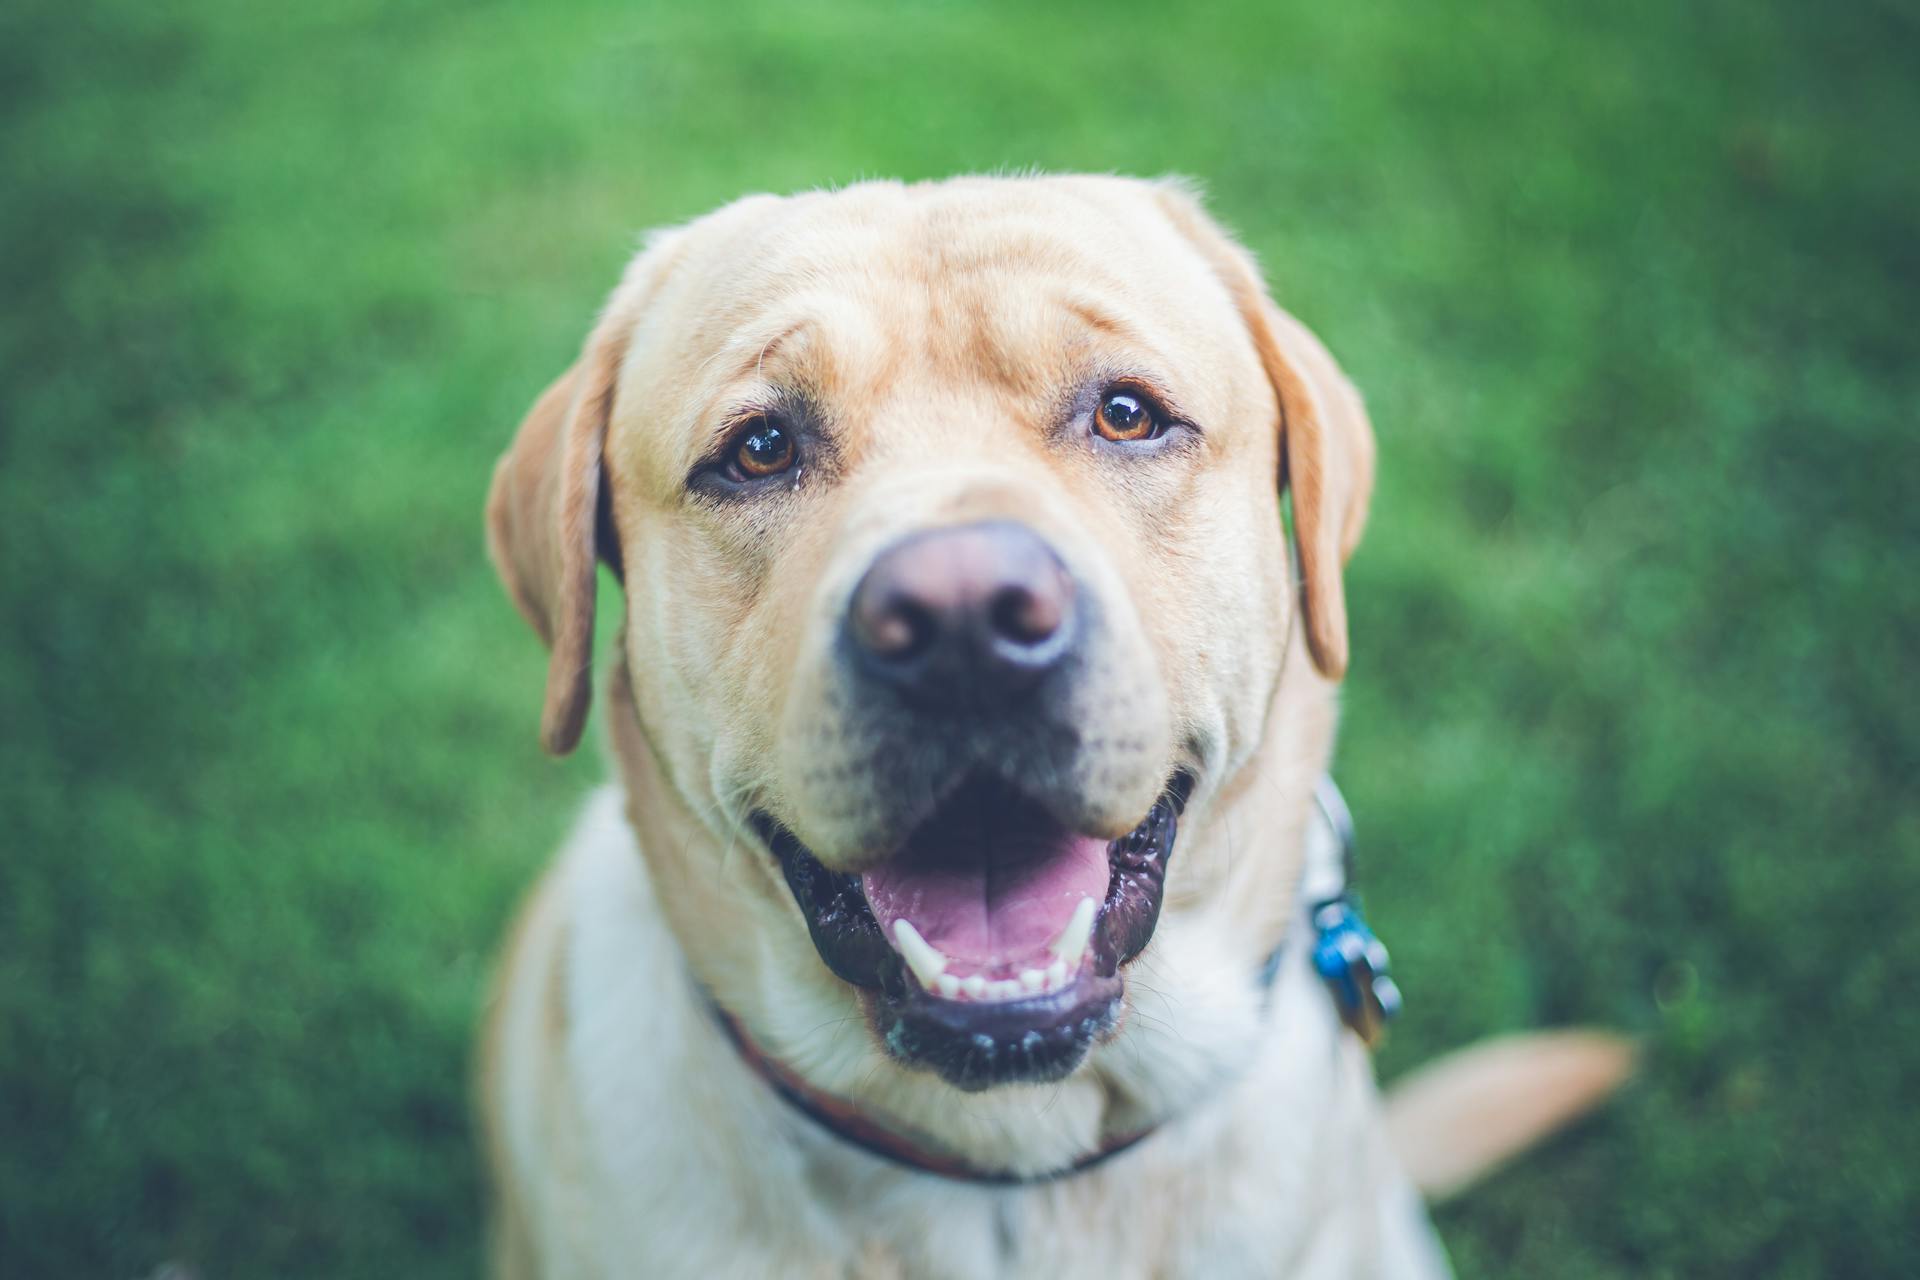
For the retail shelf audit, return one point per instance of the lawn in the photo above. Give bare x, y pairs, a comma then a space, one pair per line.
1631, 729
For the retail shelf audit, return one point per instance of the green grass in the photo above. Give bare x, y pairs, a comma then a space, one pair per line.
1631, 733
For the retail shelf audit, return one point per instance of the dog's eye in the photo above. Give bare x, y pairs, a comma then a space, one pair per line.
1126, 416
763, 448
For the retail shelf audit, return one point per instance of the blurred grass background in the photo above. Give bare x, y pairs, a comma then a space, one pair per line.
1631, 733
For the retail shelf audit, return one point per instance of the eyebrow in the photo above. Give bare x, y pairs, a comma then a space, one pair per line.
753, 365
1099, 319
727, 406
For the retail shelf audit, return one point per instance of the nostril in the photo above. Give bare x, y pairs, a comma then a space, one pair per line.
1025, 616
900, 628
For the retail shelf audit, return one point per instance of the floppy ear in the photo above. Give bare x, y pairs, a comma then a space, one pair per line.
548, 521
550, 514
1326, 441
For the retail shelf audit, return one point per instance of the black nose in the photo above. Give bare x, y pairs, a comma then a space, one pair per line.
963, 616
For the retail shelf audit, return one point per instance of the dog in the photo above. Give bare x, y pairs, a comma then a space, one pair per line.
968, 705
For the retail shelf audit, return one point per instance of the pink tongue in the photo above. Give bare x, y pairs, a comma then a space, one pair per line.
989, 889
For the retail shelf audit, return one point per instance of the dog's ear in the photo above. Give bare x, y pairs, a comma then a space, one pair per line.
542, 531
549, 514
1326, 441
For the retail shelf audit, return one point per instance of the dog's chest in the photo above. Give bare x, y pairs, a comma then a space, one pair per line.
1280, 1176
693, 1164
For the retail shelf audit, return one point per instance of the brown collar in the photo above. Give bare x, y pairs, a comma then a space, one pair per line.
846, 1121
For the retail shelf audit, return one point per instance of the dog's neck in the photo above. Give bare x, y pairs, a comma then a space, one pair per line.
1170, 1057
850, 1124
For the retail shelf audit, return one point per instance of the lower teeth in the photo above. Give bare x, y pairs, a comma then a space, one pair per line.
980, 989
929, 967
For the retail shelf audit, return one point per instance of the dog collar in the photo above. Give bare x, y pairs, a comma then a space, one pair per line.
847, 1122
1346, 954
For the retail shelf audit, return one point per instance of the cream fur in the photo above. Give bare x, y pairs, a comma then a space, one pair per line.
940, 325
691, 1166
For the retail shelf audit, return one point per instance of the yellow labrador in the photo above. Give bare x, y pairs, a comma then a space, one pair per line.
967, 710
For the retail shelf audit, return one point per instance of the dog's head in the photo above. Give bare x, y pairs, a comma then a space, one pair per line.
958, 682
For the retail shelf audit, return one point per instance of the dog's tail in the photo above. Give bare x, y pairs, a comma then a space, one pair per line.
1455, 1120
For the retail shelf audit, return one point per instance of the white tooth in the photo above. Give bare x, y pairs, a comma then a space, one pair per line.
975, 986
927, 964
1006, 989
949, 986
1056, 975
1032, 979
1073, 940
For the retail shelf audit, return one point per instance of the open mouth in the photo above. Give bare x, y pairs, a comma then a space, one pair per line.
990, 943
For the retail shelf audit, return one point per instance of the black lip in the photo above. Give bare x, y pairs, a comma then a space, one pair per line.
975, 1046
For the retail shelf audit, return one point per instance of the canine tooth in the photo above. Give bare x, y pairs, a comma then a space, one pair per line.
1032, 979
1073, 940
927, 964
949, 986
975, 986
1056, 975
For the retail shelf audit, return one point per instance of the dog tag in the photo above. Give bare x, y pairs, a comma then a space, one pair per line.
1354, 963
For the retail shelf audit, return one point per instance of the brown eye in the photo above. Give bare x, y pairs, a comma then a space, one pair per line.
1125, 417
765, 448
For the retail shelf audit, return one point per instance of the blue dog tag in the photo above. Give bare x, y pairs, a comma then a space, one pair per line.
1347, 956
1353, 963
